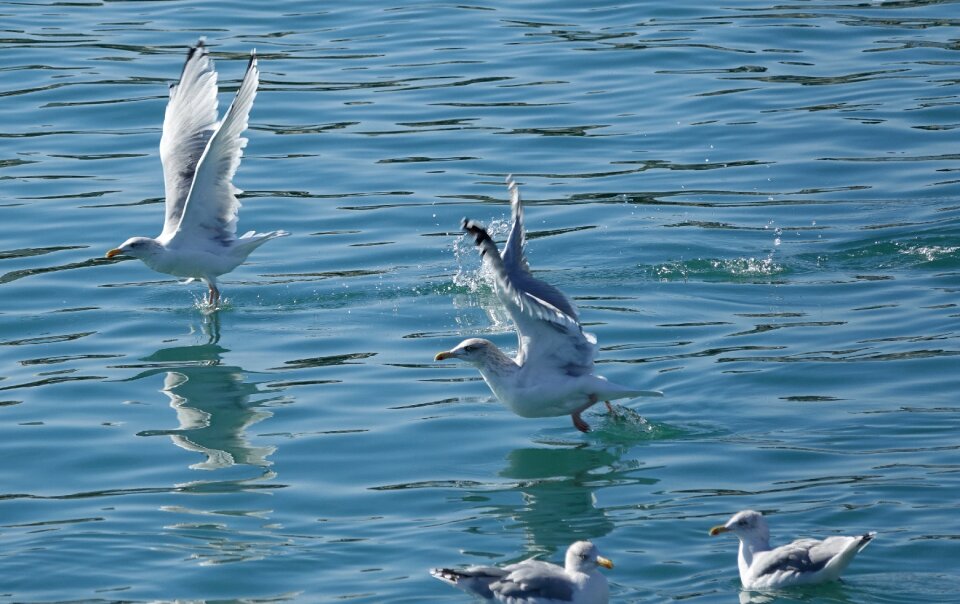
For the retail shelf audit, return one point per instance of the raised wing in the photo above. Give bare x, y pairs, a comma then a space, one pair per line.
516, 264
547, 323
211, 208
189, 122
514, 256
534, 581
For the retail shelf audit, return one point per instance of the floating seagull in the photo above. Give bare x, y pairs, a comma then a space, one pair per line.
200, 156
536, 582
552, 373
803, 562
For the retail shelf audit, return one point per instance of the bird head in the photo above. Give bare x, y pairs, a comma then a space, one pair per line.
746, 525
584, 557
474, 351
138, 247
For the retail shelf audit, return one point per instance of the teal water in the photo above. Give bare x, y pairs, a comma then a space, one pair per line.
755, 206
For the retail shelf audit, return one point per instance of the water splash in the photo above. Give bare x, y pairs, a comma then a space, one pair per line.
715, 269
929, 253
202, 304
474, 281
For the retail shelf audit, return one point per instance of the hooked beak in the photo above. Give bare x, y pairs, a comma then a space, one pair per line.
604, 562
443, 356
718, 529
113, 252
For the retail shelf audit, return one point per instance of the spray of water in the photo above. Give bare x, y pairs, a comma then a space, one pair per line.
477, 279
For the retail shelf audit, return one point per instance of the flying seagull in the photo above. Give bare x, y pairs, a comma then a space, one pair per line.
200, 156
578, 581
803, 562
552, 373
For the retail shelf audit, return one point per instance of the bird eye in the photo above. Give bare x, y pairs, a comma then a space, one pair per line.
470, 348
584, 556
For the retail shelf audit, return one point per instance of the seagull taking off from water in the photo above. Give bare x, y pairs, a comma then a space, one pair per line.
200, 156
803, 562
535, 582
552, 373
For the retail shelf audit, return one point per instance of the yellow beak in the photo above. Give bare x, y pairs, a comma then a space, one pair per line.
443, 356
113, 252
718, 529
604, 562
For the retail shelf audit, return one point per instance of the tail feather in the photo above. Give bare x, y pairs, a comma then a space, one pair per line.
252, 240
476, 580
605, 390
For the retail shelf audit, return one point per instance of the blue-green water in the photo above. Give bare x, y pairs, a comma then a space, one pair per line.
756, 207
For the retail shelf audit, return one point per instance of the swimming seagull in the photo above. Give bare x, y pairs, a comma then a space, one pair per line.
200, 156
552, 373
803, 562
535, 582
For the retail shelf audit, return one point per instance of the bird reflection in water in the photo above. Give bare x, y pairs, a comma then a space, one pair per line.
558, 488
212, 401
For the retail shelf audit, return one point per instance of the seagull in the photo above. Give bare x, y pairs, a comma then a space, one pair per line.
536, 582
200, 156
803, 562
552, 373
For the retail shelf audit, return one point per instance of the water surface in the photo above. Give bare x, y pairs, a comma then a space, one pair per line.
755, 207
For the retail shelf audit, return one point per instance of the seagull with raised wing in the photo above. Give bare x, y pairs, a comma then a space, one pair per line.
200, 156
552, 373
578, 581
803, 562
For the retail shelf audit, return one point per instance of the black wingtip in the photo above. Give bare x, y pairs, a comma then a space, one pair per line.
479, 234
445, 574
199, 47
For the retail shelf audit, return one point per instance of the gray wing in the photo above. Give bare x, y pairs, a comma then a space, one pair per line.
801, 556
210, 211
534, 581
547, 323
189, 122
516, 264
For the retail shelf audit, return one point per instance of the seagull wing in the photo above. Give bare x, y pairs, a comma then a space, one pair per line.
534, 581
801, 556
189, 122
210, 211
546, 320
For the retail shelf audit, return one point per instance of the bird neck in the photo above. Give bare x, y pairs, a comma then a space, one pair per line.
749, 547
497, 365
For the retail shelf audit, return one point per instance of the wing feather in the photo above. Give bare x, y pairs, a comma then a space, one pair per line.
211, 207
189, 122
547, 323
534, 581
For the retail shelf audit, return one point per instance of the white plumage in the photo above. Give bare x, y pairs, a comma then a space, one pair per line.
552, 373
200, 155
578, 581
802, 562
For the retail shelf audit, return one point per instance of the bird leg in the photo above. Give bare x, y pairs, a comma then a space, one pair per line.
214, 294
578, 422
610, 408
